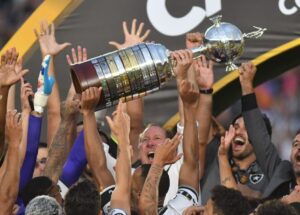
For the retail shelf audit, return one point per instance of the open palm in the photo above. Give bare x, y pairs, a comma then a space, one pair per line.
47, 40
204, 73
132, 38
10, 69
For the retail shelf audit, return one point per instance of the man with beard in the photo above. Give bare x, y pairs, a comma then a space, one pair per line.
286, 179
251, 155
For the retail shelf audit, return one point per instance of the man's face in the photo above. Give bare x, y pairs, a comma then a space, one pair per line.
295, 155
151, 138
241, 147
40, 162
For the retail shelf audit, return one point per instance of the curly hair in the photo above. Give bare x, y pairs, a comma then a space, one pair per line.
45, 205
229, 201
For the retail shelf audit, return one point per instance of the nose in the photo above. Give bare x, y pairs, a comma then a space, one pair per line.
150, 144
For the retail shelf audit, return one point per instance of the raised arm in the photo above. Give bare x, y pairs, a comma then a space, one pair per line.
93, 144
9, 184
135, 108
32, 126
189, 171
63, 140
265, 151
192, 40
165, 154
76, 161
49, 46
120, 126
205, 78
226, 176
10, 72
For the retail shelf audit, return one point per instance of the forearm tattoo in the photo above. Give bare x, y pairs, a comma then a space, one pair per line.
150, 190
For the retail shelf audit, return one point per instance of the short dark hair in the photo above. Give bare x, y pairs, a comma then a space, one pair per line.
36, 187
266, 121
228, 201
275, 207
83, 198
164, 182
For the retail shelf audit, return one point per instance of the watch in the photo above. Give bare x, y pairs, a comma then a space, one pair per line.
206, 91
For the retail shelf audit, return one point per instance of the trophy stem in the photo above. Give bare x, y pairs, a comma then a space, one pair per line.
197, 51
201, 50
230, 66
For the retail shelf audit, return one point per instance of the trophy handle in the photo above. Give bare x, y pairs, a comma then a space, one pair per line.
255, 34
216, 20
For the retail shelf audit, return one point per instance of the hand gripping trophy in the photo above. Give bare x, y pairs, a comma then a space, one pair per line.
144, 68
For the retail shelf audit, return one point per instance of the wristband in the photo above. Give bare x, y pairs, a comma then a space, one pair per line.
206, 91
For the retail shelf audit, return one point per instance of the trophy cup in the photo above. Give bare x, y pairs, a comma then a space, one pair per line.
144, 68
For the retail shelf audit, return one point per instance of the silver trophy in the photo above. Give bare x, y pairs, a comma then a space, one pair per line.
144, 68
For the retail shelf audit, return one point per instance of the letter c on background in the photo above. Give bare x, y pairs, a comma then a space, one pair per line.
285, 10
169, 25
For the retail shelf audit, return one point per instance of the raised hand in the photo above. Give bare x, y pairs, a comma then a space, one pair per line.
13, 128
26, 92
47, 40
226, 141
184, 59
11, 69
79, 57
167, 153
120, 122
133, 37
247, 73
204, 73
89, 99
194, 39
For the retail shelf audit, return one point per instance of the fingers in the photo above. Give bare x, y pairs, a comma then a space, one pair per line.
74, 56
52, 29
14, 56
140, 29
133, 27
146, 34
68, 58
77, 58
84, 56
79, 52
125, 29
9, 53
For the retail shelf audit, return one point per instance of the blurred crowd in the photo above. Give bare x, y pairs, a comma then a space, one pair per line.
12, 14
